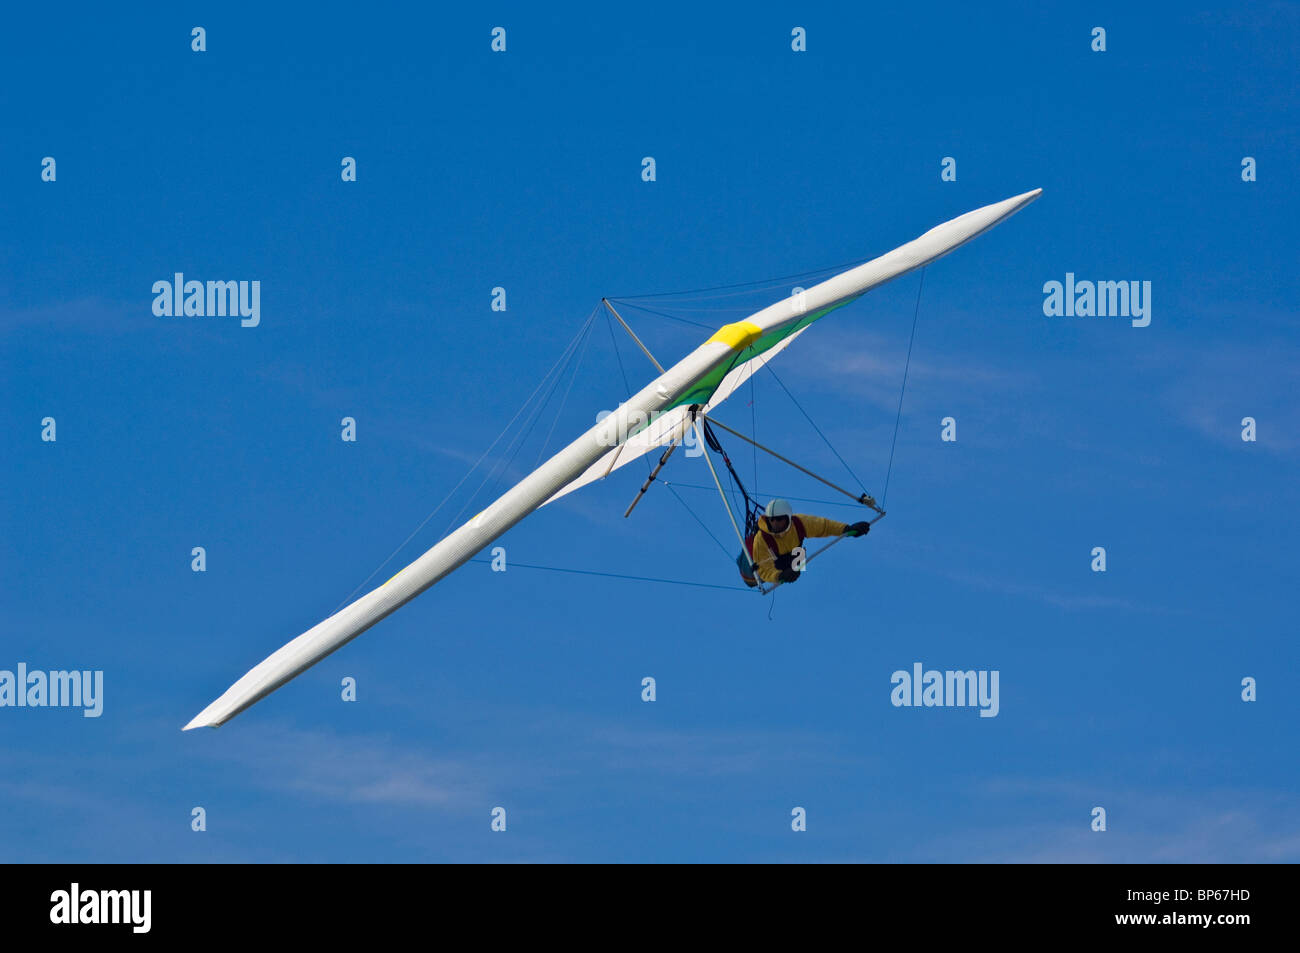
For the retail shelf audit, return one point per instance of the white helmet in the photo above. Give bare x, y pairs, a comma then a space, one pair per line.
777, 509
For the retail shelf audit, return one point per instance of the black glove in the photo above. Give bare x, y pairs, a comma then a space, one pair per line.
784, 563
789, 575
858, 529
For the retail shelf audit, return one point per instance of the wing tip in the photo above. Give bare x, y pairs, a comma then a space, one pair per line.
204, 719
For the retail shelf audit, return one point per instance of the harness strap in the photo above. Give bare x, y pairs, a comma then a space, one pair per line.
771, 540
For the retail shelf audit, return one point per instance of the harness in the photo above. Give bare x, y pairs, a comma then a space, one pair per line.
745, 562
771, 540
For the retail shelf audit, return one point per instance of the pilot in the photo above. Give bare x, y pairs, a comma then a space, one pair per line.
780, 532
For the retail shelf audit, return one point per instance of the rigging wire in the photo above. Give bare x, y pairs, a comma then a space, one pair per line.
753, 425
662, 314
446, 499
500, 469
616, 575
627, 386
825, 439
704, 525
903, 390
760, 494
752, 285
559, 411
738, 308
752, 509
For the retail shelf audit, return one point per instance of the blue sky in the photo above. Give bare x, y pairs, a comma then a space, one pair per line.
522, 689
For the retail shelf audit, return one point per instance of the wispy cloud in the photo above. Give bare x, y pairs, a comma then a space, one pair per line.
869, 366
1144, 825
1051, 597
712, 754
88, 315
355, 768
1214, 388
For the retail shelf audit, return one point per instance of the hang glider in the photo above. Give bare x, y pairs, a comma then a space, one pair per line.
655, 416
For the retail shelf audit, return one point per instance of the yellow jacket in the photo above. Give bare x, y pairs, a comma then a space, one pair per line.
787, 541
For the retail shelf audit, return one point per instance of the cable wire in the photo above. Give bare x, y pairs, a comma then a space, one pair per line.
903, 390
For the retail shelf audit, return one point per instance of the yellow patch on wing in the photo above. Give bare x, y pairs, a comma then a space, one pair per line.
737, 336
